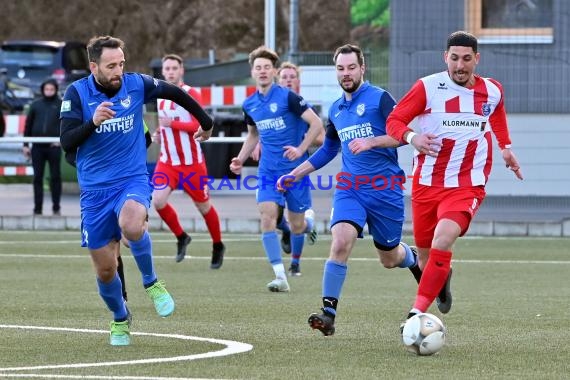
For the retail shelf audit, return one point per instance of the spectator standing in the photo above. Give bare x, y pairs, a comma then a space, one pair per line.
43, 121
2, 124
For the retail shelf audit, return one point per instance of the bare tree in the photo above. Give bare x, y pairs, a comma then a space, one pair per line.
187, 27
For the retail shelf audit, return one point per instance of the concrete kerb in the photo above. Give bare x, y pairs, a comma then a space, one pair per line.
249, 225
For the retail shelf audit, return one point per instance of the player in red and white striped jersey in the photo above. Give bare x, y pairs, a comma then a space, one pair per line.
456, 111
181, 160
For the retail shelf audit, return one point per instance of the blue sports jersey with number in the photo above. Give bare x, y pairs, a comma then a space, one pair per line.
116, 151
277, 117
364, 117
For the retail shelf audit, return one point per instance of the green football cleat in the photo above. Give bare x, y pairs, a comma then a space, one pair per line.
163, 302
120, 334
444, 299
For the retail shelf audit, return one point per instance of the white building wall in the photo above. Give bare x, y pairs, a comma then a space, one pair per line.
541, 143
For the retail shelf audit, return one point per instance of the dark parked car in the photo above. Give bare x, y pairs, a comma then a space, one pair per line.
27, 63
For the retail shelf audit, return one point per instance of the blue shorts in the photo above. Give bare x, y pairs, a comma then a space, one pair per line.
100, 211
297, 199
382, 210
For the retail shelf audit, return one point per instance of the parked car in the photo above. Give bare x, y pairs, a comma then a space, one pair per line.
12, 96
27, 63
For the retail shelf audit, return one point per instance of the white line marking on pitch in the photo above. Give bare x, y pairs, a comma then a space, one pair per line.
95, 377
232, 347
263, 258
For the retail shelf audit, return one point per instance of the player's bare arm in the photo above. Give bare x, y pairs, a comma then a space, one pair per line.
425, 143
360, 145
315, 129
248, 146
284, 182
511, 162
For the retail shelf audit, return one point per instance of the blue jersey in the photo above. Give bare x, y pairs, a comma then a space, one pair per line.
277, 117
115, 152
363, 117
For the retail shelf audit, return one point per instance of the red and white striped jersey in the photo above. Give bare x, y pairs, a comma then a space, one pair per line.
178, 146
462, 119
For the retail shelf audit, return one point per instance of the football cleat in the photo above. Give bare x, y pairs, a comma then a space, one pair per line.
181, 246
278, 285
120, 333
294, 270
444, 298
323, 322
218, 256
163, 302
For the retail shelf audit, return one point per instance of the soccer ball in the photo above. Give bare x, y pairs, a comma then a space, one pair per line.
423, 334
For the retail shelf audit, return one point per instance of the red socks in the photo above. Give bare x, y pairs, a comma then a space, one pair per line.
213, 223
170, 217
433, 278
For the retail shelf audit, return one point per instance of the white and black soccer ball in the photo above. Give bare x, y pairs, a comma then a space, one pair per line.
424, 334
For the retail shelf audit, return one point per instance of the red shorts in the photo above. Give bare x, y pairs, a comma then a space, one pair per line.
430, 204
193, 179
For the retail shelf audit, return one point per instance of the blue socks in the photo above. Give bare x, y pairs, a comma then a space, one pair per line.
272, 247
333, 280
297, 243
410, 260
142, 252
112, 294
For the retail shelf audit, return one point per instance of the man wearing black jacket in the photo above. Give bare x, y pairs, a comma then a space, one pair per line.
43, 121
2, 124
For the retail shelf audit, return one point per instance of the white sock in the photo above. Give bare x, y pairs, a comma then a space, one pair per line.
279, 270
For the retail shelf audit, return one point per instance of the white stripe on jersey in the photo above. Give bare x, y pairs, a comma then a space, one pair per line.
177, 145
455, 114
170, 146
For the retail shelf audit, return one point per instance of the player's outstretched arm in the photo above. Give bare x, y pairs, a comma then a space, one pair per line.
248, 146
316, 129
286, 181
156, 88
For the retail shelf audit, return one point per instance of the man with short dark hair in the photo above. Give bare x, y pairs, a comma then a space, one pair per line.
181, 157
369, 190
278, 118
457, 111
288, 75
101, 118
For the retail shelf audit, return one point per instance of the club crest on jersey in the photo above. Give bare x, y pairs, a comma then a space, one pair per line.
360, 109
486, 109
126, 103
273, 107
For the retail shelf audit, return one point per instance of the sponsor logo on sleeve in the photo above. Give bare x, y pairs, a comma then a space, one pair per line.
65, 106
